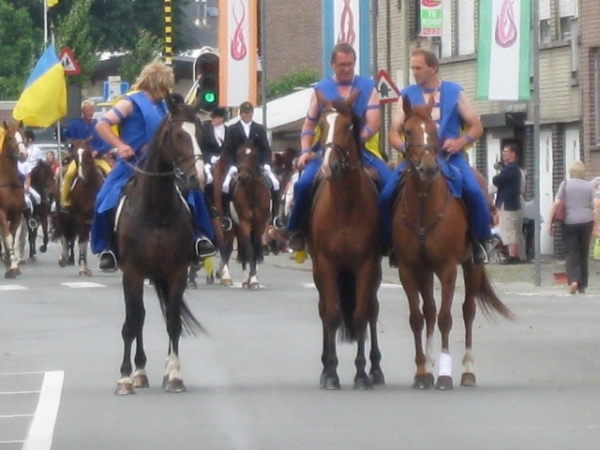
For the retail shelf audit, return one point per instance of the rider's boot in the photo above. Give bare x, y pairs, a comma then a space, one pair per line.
276, 202
480, 255
226, 220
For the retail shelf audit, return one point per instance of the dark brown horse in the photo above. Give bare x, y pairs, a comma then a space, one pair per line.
250, 211
429, 234
12, 200
76, 223
44, 182
345, 245
154, 240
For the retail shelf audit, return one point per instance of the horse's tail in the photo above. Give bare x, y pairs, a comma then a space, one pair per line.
488, 301
188, 321
347, 301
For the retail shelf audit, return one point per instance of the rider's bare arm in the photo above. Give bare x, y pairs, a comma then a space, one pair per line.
120, 111
310, 122
395, 134
373, 116
471, 118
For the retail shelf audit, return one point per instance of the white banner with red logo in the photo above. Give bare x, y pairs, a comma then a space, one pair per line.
238, 20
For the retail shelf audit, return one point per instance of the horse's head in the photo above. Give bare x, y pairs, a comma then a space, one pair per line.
248, 162
83, 157
420, 136
12, 141
340, 136
178, 140
42, 178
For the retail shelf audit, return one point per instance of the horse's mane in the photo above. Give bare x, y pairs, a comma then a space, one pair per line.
357, 121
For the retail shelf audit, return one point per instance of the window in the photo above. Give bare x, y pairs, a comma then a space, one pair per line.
447, 28
567, 11
596, 89
545, 31
466, 30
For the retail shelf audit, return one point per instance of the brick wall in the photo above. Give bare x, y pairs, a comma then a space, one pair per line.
294, 39
590, 39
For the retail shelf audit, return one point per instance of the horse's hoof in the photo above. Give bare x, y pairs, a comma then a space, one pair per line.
192, 285
226, 282
444, 383
254, 286
62, 262
377, 378
245, 285
17, 271
71, 262
85, 273
423, 381
32, 259
43, 249
175, 386
362, 383
9, 275
331, 383
124, 389
210, 280
218, 274
468, 379
141, 381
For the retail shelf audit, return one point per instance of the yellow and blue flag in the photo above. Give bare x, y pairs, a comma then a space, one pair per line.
52, 3
44, 99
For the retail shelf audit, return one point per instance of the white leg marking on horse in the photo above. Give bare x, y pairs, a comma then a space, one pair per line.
173, 367
190, 128
468, 361
225, 275
445, 367
429, 359
138, 372
253, 279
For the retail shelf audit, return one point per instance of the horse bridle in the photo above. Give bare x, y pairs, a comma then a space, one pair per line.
343, 152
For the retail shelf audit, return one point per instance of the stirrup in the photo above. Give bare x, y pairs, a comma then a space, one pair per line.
204, 248
480, 255
277, 222
227, 224
107, 261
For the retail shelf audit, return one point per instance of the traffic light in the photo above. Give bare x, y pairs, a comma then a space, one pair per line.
207, 72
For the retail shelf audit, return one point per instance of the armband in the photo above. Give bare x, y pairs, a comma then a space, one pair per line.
312, 119
105, 120
117, 112
307, 133
402, 147
469, 138
306, 150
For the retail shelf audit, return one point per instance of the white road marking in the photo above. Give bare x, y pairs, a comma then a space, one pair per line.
41, 429
18, 392
13, 287
83, 284
383, 285
15, 416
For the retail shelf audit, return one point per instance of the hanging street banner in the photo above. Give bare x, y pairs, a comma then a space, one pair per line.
238, 58
347, 21
431, 18
503, 65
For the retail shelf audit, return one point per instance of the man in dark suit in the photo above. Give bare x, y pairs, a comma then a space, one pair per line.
214, 135
237, 134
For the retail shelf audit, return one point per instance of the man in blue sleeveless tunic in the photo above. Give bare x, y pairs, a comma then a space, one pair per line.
344, 81
138, 115
451, 110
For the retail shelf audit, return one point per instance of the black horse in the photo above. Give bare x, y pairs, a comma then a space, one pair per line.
154, 240
44, 182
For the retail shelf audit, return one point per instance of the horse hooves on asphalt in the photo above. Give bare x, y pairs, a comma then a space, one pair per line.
124, 388
468, 379
226, 282
363, 383
377, 378
31, 260
43, 249
85, 273
424, 381
10, 274
141, 381
175, 386
444, 383
210, 280
330, 383
62, 262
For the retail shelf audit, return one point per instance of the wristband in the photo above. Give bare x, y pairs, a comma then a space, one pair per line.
402, 147
307, 133
469, 138
305, 150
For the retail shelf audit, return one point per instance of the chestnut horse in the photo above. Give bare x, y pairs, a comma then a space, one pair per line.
250, 209
344, 243
12, 200
155, 237
76, 223
429, 235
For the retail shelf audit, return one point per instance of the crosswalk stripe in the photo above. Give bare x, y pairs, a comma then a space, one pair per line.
12, 287
83, 284
383, 285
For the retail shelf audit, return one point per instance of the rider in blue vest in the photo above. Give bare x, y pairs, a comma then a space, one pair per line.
451, 110
138, 115
344, 81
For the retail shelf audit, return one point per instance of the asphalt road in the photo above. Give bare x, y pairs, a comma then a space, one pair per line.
253, 383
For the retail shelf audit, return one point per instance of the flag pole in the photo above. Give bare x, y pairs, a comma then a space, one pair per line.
535, 61
45, 23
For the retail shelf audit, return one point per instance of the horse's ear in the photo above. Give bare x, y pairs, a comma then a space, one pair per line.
352, 98
322, 100
20, 124
406, 106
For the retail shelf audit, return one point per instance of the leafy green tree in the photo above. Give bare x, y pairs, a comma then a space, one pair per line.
18, 50
147, 48
74, 32
288, 83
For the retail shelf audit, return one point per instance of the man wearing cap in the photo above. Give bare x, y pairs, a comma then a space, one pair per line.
237, 134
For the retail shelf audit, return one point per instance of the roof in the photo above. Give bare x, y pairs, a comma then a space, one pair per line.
285, 114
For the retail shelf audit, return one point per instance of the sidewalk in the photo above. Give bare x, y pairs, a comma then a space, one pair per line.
518, 278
